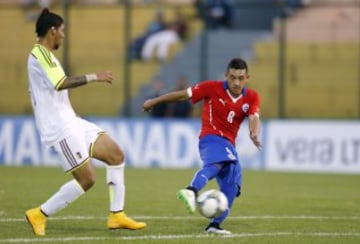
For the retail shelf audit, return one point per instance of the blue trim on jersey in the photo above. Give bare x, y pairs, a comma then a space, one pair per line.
226, 87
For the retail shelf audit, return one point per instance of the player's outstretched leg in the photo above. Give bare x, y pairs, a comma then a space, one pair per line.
189, 198
37, 220
121, 221
201, 178
214, 228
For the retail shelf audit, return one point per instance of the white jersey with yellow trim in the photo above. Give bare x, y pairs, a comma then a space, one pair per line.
52, 108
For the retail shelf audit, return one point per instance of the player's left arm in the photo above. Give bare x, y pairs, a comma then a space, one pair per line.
57, 76
254, 128
76, 81
254, 120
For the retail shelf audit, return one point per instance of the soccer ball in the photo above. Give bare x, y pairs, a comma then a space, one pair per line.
212, 203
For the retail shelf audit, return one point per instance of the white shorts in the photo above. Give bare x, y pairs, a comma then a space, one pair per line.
76, 143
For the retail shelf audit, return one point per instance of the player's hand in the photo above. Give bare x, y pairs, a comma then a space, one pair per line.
105, 76
148, 105
256, 140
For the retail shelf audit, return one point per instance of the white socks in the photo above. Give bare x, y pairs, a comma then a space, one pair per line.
115, 181
71, 190
68, 193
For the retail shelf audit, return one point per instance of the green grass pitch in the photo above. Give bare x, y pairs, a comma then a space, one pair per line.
274, 208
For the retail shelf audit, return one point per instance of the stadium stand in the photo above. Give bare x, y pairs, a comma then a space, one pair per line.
321, 74
321, 36
96, 42
323, 23
322, 62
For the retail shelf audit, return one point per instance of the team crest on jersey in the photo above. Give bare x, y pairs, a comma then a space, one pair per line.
245, 107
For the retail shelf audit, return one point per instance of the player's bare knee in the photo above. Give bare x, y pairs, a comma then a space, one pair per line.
87, 182
117, 157
86, 179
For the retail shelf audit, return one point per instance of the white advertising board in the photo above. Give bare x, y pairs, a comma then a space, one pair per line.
149, 143
316, 146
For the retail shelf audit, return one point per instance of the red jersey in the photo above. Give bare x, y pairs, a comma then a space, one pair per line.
223, 114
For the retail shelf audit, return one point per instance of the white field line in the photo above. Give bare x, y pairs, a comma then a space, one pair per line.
88, 239
295, 217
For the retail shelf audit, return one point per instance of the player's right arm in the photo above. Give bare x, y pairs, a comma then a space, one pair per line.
167, 97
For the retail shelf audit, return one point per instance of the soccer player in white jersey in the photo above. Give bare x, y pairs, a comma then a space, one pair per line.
75, 139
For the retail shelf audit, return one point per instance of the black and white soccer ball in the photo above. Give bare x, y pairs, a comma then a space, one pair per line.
212, 203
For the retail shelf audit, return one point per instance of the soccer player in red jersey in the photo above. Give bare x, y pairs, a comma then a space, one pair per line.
226, 104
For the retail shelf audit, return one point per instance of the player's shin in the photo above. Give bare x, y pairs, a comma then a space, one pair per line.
205, 174
222, 217
67, 193
230, 192
115, 181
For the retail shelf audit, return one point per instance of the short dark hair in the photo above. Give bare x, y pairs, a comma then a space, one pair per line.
237, 63
46, 21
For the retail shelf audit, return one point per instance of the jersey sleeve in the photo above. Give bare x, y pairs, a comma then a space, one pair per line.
51, 67
255, 104
200, 91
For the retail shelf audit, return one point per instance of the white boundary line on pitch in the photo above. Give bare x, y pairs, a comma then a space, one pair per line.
170, 237
297, 217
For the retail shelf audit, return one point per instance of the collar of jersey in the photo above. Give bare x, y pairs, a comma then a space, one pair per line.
226, 87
